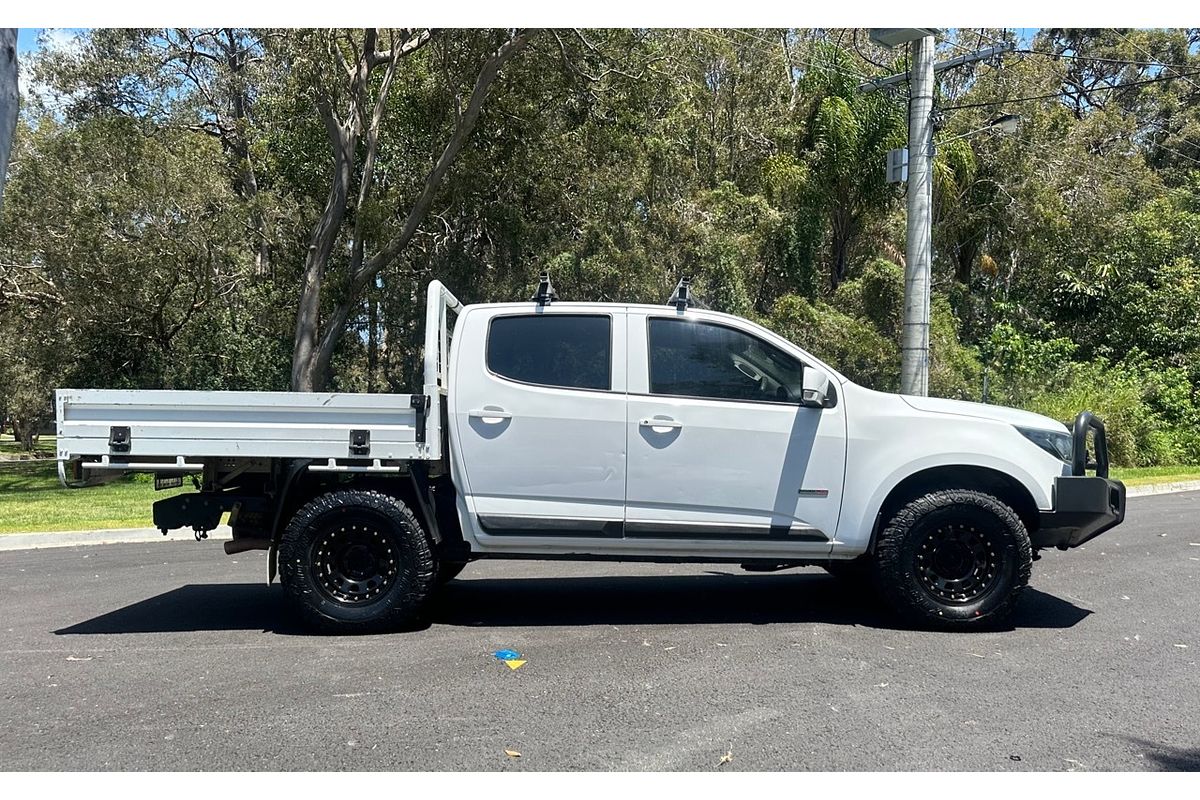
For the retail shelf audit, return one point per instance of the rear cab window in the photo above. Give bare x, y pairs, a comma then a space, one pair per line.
567, 351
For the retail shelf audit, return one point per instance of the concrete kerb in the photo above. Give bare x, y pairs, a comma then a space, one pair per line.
31, 541
1162, 488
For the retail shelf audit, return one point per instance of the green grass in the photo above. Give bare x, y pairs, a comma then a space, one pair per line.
10, 450
32, 499
1141, 476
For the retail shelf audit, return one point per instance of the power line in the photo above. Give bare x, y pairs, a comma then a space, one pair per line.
1159, 126
964, 48
1067, 93
1096, 165
1121, 61
957, 61
991, 38
1142, 49
1151, 123
1151, 182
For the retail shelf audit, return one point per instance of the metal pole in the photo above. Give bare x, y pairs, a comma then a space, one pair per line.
914, 359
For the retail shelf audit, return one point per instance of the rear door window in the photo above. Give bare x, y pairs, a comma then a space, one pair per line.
570, 351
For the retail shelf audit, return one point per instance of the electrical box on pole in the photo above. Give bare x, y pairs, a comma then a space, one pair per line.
897, 165
914, 166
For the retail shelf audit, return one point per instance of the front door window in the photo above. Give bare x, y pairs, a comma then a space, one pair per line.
689, 358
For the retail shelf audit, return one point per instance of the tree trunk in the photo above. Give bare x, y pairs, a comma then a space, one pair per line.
9, 99
25, 432
320, 247
842, 227
310, 360
372, 341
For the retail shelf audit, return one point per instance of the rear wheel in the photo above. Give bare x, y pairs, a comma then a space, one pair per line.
356, 561
954, 559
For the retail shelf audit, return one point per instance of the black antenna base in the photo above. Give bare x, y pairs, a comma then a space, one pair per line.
682, 298
545, 294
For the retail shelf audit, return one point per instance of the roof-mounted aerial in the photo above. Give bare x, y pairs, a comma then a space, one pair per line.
545, 294
682, 299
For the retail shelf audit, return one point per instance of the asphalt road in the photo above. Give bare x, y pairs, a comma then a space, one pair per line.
173, 656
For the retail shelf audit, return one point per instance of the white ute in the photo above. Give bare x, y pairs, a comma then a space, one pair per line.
603, 431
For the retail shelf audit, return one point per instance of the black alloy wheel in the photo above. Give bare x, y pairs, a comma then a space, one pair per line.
354, 563
956, 563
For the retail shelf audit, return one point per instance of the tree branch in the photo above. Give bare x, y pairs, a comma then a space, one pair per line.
464, 125
462, 131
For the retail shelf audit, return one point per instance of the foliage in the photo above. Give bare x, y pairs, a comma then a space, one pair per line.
168, 186
851, 345
1138, 434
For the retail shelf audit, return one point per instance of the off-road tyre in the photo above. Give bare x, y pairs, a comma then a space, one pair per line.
357, 561
448, 571
955, 559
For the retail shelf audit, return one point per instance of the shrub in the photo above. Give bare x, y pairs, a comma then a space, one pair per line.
849, 345
1138, 435
877, 296
955, 370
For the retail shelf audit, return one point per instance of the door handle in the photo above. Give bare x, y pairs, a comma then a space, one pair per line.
657, 424
490, 415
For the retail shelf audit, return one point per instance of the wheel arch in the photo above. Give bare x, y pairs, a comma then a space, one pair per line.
1004, 487
298, 486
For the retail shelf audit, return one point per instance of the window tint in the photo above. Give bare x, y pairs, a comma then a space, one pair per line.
698, 359
568, 350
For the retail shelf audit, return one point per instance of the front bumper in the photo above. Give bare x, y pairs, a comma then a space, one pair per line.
1084, 508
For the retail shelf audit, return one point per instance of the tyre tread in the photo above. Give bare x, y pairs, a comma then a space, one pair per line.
909, 599
417, 578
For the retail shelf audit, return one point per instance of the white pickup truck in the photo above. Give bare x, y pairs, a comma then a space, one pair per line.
597, 431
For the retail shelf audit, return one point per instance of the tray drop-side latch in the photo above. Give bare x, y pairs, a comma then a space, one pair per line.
360, 443
118, 438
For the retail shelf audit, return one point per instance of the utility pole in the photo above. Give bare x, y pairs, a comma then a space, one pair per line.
918, 255
918, 246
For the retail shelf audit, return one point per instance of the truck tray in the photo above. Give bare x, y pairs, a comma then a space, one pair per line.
175, 430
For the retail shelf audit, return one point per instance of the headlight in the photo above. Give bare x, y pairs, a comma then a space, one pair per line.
1056, 443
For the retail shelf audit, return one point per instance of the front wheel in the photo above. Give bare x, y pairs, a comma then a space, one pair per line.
356, 561
954, 559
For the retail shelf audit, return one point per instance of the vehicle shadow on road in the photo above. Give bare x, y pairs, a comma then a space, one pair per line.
199, 607
1166, 757
711, 598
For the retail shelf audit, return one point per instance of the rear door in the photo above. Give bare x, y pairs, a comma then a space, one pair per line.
719, 446
539, 413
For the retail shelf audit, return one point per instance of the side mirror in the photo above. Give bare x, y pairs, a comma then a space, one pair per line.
818, 391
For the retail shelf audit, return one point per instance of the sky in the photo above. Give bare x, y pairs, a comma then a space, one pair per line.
27, 38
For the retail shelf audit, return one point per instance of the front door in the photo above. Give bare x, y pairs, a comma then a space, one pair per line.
719, 446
